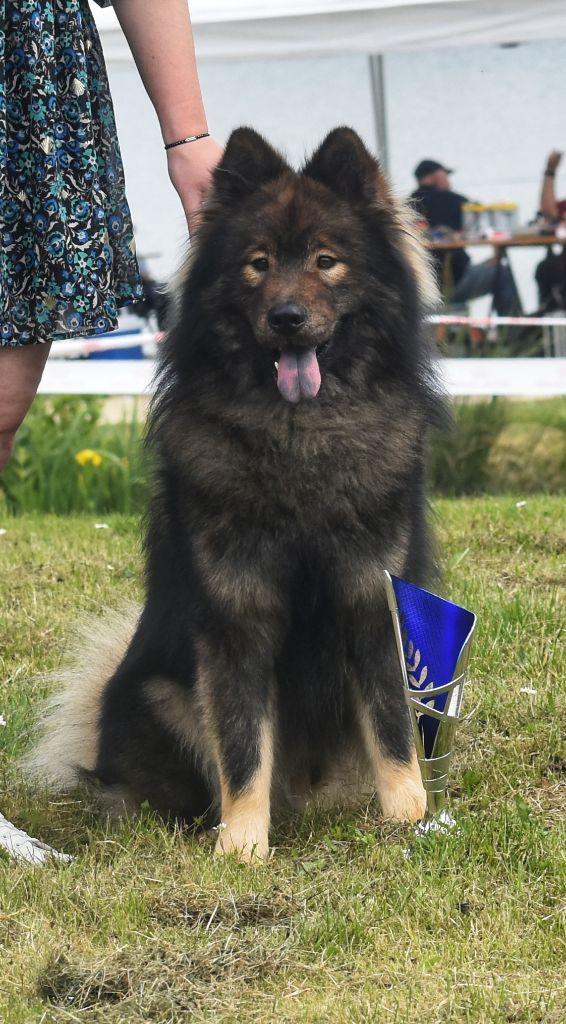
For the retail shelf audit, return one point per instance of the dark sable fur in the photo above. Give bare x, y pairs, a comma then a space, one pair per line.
270, 521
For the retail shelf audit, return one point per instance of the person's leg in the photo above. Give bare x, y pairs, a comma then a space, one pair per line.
489, 278
20, 373
550, 276
506, 298
478, 280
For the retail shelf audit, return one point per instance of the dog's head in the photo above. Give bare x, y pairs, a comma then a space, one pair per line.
305, 270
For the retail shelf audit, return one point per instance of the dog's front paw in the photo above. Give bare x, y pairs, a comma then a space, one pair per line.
404, 802
248, 841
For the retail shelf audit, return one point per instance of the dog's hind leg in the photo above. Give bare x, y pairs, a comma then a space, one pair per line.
385, 725
236, 695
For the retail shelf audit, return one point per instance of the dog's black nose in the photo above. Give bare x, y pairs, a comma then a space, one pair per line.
287, 316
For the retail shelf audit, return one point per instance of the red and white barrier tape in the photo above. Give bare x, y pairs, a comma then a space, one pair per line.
74, 347
501, 321
86, 346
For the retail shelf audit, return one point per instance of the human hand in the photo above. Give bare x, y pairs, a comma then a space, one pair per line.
190, 169
553, 159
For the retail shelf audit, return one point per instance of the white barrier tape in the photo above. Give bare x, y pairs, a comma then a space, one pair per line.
501, 321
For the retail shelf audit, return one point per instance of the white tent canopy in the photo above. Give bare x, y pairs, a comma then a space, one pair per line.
239, 29
295, 99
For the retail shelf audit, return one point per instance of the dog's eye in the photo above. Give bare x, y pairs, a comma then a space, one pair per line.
261, 264
326, 262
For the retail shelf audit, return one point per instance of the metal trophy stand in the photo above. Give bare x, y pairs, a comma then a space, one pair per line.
433, 638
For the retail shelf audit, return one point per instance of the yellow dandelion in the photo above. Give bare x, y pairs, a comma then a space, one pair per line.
88, 457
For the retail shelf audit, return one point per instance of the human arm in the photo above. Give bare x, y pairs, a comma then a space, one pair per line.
161, 40
548, 204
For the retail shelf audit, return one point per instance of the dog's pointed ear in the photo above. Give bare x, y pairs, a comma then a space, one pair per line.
248, 163
343, 164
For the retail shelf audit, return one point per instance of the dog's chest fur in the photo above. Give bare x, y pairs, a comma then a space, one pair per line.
273, 494
330, 463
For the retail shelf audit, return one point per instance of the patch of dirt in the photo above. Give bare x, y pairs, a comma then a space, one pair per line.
11, 931
515, 583
146, 980
556, 766
271, 910
73, 985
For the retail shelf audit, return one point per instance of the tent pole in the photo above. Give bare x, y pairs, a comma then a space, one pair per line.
377, 79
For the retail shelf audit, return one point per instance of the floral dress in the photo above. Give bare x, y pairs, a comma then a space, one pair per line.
67, 255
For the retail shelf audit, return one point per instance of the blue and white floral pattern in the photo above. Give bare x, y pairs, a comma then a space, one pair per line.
67, 252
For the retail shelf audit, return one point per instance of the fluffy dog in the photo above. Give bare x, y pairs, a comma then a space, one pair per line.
288, 436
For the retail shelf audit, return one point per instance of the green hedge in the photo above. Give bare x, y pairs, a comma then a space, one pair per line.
68, 459
502, 446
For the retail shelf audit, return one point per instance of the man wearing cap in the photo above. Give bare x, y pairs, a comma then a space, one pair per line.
435, 201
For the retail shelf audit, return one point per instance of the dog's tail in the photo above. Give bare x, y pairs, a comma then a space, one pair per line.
66, 750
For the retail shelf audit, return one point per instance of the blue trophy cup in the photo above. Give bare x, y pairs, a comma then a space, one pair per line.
433, 639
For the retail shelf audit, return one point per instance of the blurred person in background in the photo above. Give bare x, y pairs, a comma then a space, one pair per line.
155, 307
67, 256
550, 274
441, 208
551, 208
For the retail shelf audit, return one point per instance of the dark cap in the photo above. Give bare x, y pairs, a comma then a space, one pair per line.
427, 167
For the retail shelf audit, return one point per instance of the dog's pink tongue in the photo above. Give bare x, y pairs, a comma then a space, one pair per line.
298, 375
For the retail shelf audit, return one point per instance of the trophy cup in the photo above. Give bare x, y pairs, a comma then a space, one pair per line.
433, 639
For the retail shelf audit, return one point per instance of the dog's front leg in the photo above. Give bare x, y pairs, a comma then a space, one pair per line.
384, 719
244, 828
236, 685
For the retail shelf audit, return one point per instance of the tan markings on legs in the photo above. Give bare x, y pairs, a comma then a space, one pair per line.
398, 784
244, 829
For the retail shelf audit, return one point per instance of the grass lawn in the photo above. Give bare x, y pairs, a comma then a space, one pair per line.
340, 926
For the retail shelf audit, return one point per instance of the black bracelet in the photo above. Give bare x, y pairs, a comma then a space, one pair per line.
189, 138
549, 174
